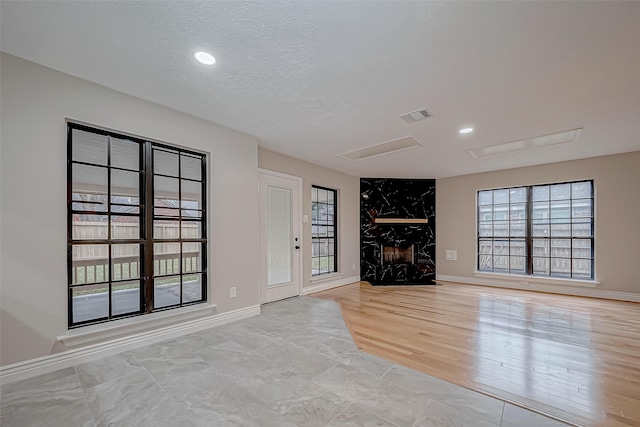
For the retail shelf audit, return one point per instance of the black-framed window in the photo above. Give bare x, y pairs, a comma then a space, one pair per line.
541, 230
136, 226
324, 209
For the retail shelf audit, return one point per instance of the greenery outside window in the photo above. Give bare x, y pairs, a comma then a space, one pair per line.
540, 230
136, 226
323, 230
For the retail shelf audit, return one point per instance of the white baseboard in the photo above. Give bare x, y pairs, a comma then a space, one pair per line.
329, 285
65, 359
540, 287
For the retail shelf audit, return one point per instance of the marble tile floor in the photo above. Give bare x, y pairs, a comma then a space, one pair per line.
294, 365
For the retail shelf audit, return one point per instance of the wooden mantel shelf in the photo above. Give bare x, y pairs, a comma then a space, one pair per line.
400, 220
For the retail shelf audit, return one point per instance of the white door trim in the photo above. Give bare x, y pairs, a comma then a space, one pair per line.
298, 222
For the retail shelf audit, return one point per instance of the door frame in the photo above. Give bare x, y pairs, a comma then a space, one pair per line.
297, 228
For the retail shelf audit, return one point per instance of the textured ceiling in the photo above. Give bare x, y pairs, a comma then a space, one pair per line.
316, 79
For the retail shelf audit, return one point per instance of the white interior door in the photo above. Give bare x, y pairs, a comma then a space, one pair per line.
280, 236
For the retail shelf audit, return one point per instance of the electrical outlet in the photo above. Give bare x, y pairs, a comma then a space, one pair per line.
232, 292
353, 266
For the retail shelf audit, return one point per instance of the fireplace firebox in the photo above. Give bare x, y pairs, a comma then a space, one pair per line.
397, 254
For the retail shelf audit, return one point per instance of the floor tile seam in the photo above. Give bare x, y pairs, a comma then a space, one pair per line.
415, 423
504, 405
340, 413
380, 416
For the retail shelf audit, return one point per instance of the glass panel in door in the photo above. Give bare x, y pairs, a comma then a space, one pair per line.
279, 236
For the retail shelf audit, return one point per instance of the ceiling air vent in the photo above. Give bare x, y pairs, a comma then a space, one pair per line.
415, 116
527, 144
388, 147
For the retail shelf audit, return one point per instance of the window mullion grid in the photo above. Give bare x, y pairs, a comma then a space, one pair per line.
109, 233
529, 230
181, 259
148, 221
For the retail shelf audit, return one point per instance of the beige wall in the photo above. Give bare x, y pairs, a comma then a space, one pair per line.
348, 208
35, 102
617, 209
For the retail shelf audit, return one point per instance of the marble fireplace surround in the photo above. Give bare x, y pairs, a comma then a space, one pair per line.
397, 231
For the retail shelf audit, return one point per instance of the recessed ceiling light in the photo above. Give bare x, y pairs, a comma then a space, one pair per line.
205, 58
466, 130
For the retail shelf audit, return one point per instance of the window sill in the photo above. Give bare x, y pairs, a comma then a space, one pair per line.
524, 279
92, 333
325, 277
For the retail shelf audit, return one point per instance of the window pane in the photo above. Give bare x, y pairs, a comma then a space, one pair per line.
191, 229
166, 291
165, 163
560, 191
90, 264
560, 209
581, 248
581, 229
581, 190
518, 211
125, 187
561, 230
192, 288
485, 197
330, 197
88, 147
518, 248
125, 154
89, 302
165, 211
561, 248
125, 227
166, 192
125, 297
89, 188
581, 208
166, 258
191, 257
501, 264
163, 229
518, 228
191, 167
322, 195
485, 213
191, 197
518, 265
90, 227
540, 193
501, 196
541, 266
540, 210
541, 247
501, 228
518, 195
501, 212
560, 267
540, 229
125, 261
582, 268
331, 246
501, 247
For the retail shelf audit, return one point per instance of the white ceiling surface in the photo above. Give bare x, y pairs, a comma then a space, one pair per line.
317, 79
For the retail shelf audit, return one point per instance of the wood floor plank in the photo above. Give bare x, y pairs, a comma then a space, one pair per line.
576, 359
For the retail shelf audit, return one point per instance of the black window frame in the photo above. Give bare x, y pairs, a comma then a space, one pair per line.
145, 208
331, 238
539, 235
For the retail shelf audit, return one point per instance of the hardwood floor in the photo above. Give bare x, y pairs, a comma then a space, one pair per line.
573, 358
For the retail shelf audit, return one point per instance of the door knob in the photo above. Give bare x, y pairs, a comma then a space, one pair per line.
297, 247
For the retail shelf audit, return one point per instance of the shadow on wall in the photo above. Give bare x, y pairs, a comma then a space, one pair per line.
32, 343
